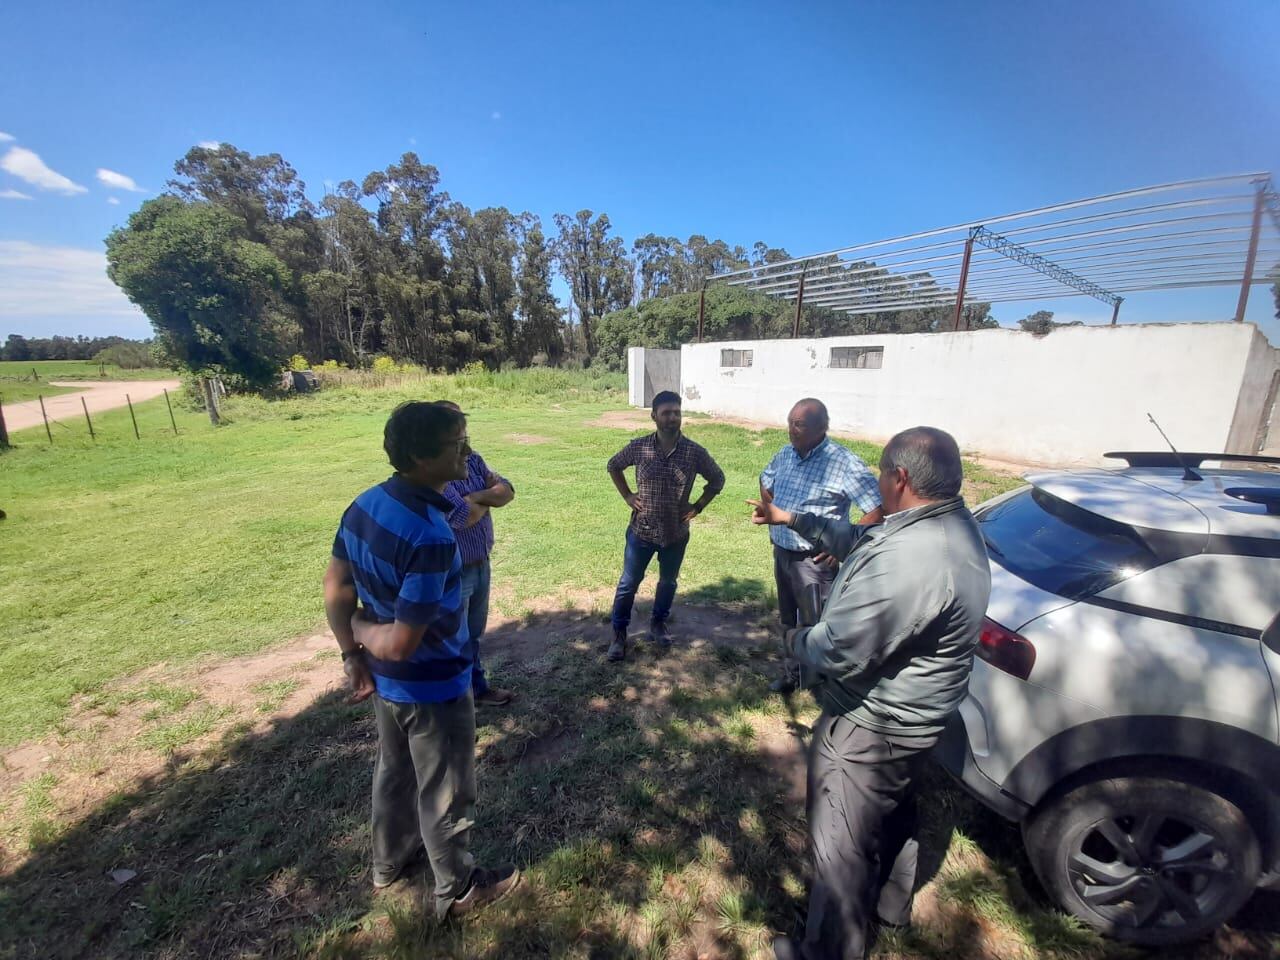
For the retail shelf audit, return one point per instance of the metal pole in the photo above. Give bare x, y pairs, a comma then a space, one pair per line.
795, 324
964, 279
46, 420
170, 406
1252, 257
86, 418
132, 417
702, 305
1115, 311
4, 431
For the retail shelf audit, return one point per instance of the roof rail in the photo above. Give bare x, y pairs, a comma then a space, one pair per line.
1167, 458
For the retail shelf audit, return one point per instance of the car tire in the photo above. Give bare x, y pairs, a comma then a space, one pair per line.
1147, 860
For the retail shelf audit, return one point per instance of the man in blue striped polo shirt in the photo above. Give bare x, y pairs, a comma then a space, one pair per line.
393, 599
812, 474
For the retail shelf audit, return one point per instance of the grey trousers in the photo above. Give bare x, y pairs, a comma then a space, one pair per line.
862, 824
424, 791
792, 572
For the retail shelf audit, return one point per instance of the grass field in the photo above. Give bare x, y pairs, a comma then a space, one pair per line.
150, 595
22, 380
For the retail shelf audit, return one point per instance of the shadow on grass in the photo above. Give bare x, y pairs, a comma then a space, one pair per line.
649, 803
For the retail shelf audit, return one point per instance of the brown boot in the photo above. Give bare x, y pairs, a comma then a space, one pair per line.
486, 887
618, 649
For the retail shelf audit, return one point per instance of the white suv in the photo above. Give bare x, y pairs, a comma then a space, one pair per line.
1123, 705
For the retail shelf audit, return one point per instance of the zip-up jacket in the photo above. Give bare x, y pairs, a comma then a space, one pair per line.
894, 646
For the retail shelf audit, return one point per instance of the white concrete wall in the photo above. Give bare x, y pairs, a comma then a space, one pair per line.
1254, 406
649, 372
1064, 398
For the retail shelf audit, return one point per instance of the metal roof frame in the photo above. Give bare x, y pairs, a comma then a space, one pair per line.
1130, 247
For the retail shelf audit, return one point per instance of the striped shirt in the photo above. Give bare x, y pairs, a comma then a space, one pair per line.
476, 541
663, 483
406, 567
825, 482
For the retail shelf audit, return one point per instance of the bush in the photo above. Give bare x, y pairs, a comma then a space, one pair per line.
126, 356
299, 362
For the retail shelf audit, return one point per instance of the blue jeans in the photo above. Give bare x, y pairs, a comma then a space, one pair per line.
475, 606
635, 561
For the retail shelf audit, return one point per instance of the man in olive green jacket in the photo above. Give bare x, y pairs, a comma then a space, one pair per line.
888, 662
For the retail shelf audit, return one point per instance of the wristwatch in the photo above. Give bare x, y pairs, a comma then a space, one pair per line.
348, 654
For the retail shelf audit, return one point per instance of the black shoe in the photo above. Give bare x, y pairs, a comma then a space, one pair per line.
784, 685
486, 887
618, 649
659, 634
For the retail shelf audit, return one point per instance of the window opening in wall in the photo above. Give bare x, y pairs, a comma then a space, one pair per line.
857, 358
735, 358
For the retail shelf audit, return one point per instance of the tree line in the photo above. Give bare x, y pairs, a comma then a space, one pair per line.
238, 269
106, 349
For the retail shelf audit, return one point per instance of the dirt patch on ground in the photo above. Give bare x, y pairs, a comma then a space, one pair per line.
622, 420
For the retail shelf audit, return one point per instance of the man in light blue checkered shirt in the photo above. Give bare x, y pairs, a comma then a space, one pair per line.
813, 474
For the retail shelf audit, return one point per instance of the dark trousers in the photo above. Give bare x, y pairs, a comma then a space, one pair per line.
793, 570
475, 604
862, 824
635, 561
424, 791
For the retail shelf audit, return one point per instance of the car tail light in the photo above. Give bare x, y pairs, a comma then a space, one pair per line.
1006, 650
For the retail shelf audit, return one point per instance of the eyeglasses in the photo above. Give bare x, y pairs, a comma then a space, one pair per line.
463, 443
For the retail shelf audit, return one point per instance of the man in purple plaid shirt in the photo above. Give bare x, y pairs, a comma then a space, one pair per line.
473, 499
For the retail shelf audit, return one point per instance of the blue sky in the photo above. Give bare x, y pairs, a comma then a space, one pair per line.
809, 126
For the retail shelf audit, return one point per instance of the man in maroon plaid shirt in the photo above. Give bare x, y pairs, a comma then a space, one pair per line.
667, 463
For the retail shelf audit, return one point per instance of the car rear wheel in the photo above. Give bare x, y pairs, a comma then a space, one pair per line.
1143, 859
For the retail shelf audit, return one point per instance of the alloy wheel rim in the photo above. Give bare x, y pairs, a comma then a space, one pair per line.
1151, 870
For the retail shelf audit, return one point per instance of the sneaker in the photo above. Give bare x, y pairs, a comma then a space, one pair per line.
618, 649
659, 634
495, 697
486, 886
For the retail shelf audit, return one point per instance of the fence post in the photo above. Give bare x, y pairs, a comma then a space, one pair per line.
132, 417
170, 406
210, 399
46, 419
4, 431
86, 418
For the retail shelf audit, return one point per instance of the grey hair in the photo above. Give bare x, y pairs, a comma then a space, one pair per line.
931, 459
818, 407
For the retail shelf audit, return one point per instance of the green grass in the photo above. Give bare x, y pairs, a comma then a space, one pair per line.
640, 801
76, 370
120, 554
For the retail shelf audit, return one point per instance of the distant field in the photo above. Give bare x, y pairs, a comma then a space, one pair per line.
22, 380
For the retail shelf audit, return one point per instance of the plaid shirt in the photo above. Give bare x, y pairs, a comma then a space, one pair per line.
824, 482
476, 541
664, 483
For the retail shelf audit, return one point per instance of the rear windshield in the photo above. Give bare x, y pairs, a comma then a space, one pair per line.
1059, 547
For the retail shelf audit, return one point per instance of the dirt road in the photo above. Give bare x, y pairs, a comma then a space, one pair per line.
98, 397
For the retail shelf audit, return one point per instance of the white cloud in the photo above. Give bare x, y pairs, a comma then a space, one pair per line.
58, 282
26, 165
117, 181
6, 137
209, 144
114, 201
13, 195
496, 115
